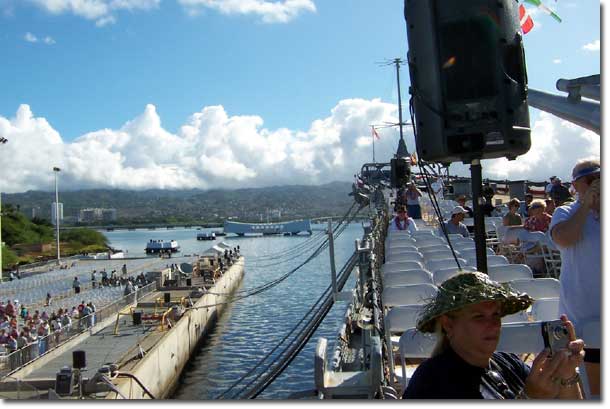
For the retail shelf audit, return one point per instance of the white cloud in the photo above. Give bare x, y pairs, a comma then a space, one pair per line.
213, 149
557, 61
593, 47
556, 146
30, 38
101, 11
269, 11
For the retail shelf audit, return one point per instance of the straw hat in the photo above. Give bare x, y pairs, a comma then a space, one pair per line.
467, 289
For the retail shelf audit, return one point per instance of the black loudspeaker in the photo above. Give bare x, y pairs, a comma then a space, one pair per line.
189, 282
400, 172
468, 79
137, 318
64, 381
79, 359
167, 297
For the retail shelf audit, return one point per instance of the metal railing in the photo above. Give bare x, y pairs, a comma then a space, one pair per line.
32, 351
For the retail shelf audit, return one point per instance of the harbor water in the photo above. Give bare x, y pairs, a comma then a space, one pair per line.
251, 327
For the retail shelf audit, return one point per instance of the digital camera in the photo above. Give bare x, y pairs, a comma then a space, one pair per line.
555, 335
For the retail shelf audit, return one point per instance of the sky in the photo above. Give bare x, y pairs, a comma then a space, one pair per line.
180, 94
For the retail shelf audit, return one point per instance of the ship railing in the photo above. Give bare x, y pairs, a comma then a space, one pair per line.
13, 361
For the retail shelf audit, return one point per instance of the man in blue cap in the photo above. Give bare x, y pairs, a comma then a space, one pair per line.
575, 230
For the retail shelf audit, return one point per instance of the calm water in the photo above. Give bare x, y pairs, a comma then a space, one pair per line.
250, 328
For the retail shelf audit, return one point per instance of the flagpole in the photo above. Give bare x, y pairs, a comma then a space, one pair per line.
373, 136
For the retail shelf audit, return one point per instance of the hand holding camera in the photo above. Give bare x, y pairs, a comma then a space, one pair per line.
555, 367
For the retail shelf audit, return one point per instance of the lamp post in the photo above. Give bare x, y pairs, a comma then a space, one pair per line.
56, 171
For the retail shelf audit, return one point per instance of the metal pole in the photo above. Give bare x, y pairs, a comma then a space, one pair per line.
331, 249
397, 61
479, 218
56, 170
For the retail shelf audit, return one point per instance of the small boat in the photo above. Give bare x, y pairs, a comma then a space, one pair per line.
206, 236
161, 246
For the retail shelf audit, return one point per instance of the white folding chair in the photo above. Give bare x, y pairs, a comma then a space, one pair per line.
436, 247
537, 287
400, 247
440, 276
440, 255
408, 277
398, 320
545, 309
395, 266
469, 252
521, 338
434, 265
413, 344
409, 294
491, 260
423, 233
508, 272
405, 255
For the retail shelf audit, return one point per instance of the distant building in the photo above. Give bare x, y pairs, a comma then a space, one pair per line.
54, 207
96, 214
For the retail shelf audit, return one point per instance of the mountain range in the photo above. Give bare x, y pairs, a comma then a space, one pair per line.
192, 206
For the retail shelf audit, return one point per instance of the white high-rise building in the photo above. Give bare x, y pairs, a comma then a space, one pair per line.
60, 206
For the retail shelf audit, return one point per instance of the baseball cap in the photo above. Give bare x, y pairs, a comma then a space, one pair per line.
458, 210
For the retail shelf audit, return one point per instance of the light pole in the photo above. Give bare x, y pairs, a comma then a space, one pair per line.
56, 171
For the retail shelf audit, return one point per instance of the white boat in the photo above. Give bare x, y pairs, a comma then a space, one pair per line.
161, 246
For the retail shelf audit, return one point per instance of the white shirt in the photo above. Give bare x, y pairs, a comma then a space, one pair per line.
410, 227
580, 297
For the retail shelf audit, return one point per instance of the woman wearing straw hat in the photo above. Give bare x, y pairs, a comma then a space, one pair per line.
465, 315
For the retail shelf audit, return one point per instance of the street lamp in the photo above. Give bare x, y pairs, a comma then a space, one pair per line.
56, 171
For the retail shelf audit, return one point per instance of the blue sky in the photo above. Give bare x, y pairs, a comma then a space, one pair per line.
112, 75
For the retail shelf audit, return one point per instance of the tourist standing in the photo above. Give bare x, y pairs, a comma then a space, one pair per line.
575, 230
413, 206
76, 285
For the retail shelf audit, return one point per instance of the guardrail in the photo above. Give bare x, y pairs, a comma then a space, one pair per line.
14, 360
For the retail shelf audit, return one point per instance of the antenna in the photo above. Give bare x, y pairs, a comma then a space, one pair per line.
402, 150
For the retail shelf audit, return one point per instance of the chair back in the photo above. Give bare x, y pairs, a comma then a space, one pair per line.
545, 309
521, 338
408, 277
434, 265
491, 260
537, 287
440, 276
405, 256
508, 272
409, 294
395, 266
403, 317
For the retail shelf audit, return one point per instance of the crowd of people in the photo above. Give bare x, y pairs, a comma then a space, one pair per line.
30, 331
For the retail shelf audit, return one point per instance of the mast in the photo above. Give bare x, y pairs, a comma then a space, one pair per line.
402, 150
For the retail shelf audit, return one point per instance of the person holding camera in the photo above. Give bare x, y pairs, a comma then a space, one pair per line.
466, 317
575, 231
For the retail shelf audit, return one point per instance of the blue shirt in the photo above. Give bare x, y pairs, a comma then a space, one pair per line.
459, 229
580, 278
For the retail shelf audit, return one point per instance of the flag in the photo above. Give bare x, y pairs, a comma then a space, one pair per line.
542, 7
375, 134
525, 20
